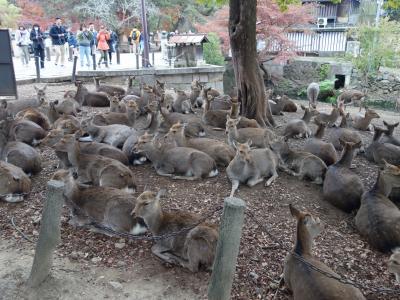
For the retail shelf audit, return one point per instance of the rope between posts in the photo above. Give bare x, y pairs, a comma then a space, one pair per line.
360, 286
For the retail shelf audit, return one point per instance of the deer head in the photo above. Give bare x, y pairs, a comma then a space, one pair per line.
243, 151
231, 123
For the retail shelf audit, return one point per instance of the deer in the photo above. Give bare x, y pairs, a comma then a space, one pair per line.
298, 128
331, 118
304, 282
177, 162
388, 134
219, 151
277, 106
363, 123
209, 92
394, 264
110, 118
342, 187
193, 249
299, 163
148, 95
67, 106
97, 169
290, 106
15, 106
194, 127
116, 105
68, 124
14, 183
110, 90
378, 219
318, 147
312, 94
251, 166
17, 153
351, 97
114, 135
133, 90
379, 152
94, 99
107, 206
195, 91
34, 115
260, 137
222, 102
181, 103
25, 131
153, 117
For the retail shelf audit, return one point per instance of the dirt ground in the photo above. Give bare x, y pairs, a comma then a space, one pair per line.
86, 262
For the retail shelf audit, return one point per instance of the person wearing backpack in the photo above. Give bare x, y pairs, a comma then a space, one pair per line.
85, 38
135, 37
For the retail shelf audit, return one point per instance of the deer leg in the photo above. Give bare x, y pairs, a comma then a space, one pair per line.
235, 186
185, 177
253, 181
162, 173
162, 253
285, 169
272, 178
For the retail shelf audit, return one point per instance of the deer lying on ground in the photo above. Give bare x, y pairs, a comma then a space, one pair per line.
94, 99
301, 280
364, 122
177, 162
181, 102
15, 106
35, 116
97, 169
191, 250
378, 219
290, 106
102, 149
260, 137
252, 166
193, 128
195, 91
351, 97
331, 118
298, 128
70, 94
114, 135
206, 92
17, 153
111, 90
110, 118
223, 102
219, 151
116, 105
318, 147
344, 133
342, 187
380, 152
14, 183
25, 131
277, 106
312, 94
388, 134
394, 264
143, 101
299, 163
67, 107
107, 206
153, 117
68, 124
133, 90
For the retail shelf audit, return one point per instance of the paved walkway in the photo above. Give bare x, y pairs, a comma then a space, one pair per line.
128, 62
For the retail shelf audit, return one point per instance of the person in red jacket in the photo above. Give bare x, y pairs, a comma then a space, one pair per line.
102, 37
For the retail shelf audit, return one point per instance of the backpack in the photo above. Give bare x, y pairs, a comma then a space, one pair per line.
134, 35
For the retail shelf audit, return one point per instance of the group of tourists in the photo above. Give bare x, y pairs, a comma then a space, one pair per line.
85, 42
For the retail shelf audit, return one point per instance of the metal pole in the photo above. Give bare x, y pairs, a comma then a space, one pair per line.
74, 68
37, 68
118, 54
94, 61
145, 56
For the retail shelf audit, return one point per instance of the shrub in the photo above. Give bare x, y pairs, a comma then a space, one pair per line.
212, 50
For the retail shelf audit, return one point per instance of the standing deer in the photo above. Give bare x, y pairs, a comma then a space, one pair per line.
312, 94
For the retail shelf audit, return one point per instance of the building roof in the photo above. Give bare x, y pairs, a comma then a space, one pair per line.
188, 39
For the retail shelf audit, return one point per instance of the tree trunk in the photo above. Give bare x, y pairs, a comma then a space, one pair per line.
249, 80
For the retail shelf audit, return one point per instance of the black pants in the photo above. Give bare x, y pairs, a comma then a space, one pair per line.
110, 55
39, 51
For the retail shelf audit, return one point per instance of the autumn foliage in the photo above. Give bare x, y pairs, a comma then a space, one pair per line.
32, 12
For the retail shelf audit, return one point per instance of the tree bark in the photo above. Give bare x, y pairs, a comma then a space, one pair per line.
249, 80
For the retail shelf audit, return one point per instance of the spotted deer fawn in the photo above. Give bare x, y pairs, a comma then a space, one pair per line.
193, 249
304, 282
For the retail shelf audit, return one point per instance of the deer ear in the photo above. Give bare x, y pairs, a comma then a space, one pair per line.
249, 142
294, 211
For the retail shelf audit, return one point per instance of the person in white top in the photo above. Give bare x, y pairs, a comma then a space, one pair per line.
22, 41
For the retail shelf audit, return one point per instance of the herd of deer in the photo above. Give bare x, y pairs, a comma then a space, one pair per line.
95, 153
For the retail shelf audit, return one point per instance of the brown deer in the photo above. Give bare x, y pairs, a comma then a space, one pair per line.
15, 106
304, 282
111, 90
378, 218
223, 102
290, 106
394, 264
298, 128
67, 107
318, 147
299, 163
388, 134
219, 151
260, 137
342, 187
133, 90
195, 91
277, 106
25, 131
94, 99
106, 206
193, 249
181, 103
14, 183
363, 122
97, 169
110, 118
209, 92
153, 117
68, 124
116, 105
194, 127
312, 94
17, 153
251, 166
34, 115
380, 152
331, 118
351, 97
177, 162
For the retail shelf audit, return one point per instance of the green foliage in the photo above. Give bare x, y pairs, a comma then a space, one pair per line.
324, 71
327, 92
212, 50
378, 47
9, 14
283, 4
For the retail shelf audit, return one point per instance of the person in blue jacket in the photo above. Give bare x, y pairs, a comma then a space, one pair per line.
37, 37
58, 36
72, 43
112, 43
